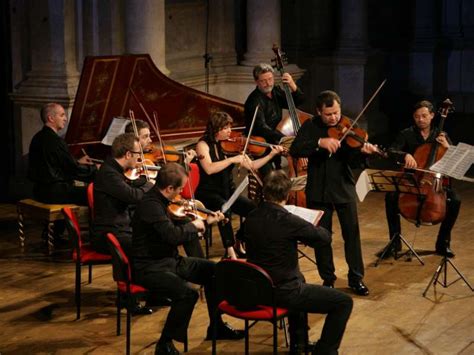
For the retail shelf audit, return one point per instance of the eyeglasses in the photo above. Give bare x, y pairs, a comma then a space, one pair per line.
131, 151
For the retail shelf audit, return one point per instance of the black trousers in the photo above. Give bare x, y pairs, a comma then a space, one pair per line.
453, 205
316, 299
169, 279
242, 206
347, 215
60, 193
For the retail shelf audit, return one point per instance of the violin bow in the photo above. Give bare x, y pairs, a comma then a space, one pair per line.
254, 173
362, 111
157, 132
135, 130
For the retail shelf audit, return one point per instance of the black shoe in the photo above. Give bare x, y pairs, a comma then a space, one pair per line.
141, 310
225, 332
359, 288
328, 283
240, 253
386, 254
445, 251
300, 348
166, 348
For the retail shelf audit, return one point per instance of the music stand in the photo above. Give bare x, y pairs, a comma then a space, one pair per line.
401, 182
443, 266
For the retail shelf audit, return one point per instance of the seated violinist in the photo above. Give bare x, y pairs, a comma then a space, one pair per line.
153, 151
408, 141
114, 195
216, 183
159, 267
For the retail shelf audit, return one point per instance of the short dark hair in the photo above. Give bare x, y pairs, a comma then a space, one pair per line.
48, 109
276, 186
171, 174
218, 121
140, 125
327, 98
122, 144
262, 68
424, 103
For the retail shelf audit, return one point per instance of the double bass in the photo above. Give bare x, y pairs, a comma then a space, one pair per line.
290, 127
429, 206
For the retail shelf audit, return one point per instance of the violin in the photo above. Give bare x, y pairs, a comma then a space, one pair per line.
354, 137
235, 144
146, 168
181, 208
154, 153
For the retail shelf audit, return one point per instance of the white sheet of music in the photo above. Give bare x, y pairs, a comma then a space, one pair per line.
363, 185
456, 162
309, 215
116, 127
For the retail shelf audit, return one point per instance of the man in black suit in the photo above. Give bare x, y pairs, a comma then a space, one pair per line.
159, 267
272, 234
330, 186
114, 194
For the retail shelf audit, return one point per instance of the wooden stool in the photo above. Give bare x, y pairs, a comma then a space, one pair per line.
42, 212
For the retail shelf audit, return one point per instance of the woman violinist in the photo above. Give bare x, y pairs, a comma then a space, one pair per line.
216, 183
407, 142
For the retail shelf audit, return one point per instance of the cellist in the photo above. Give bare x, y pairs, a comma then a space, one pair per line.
407, 142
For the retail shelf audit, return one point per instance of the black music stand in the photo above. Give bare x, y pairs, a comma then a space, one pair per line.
443, 267
401, 182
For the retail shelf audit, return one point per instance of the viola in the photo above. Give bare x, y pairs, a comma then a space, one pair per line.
146, 168
181, 208
354, 137
235, 144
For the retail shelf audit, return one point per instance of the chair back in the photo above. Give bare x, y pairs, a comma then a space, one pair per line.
90, 200
193, 181
74, 231
242, 284
120, 264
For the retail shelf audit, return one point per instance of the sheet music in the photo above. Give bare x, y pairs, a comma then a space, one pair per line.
309, 215
456, 162
363, 185
225, 207
116, 127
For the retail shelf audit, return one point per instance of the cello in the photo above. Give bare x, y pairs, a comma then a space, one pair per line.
429, 206
290, 127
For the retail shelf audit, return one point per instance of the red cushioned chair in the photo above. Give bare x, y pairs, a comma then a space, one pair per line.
90, 201
247, 292
126, 289
81, 254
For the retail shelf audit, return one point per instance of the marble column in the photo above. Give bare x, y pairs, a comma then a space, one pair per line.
351, 56
263, 30
145, 30
221, 33
52, 74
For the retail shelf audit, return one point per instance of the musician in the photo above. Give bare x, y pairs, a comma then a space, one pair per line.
271, 100
51, 166
272, 234
216, 184
160, 268
114, 195
408, 141
143, 129
330, 186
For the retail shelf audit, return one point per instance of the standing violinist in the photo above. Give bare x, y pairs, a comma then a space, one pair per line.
271, 100
330, 186
216, 184
407, 142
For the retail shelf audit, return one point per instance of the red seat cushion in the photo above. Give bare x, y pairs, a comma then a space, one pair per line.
257, 313
134, 288
88, 255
